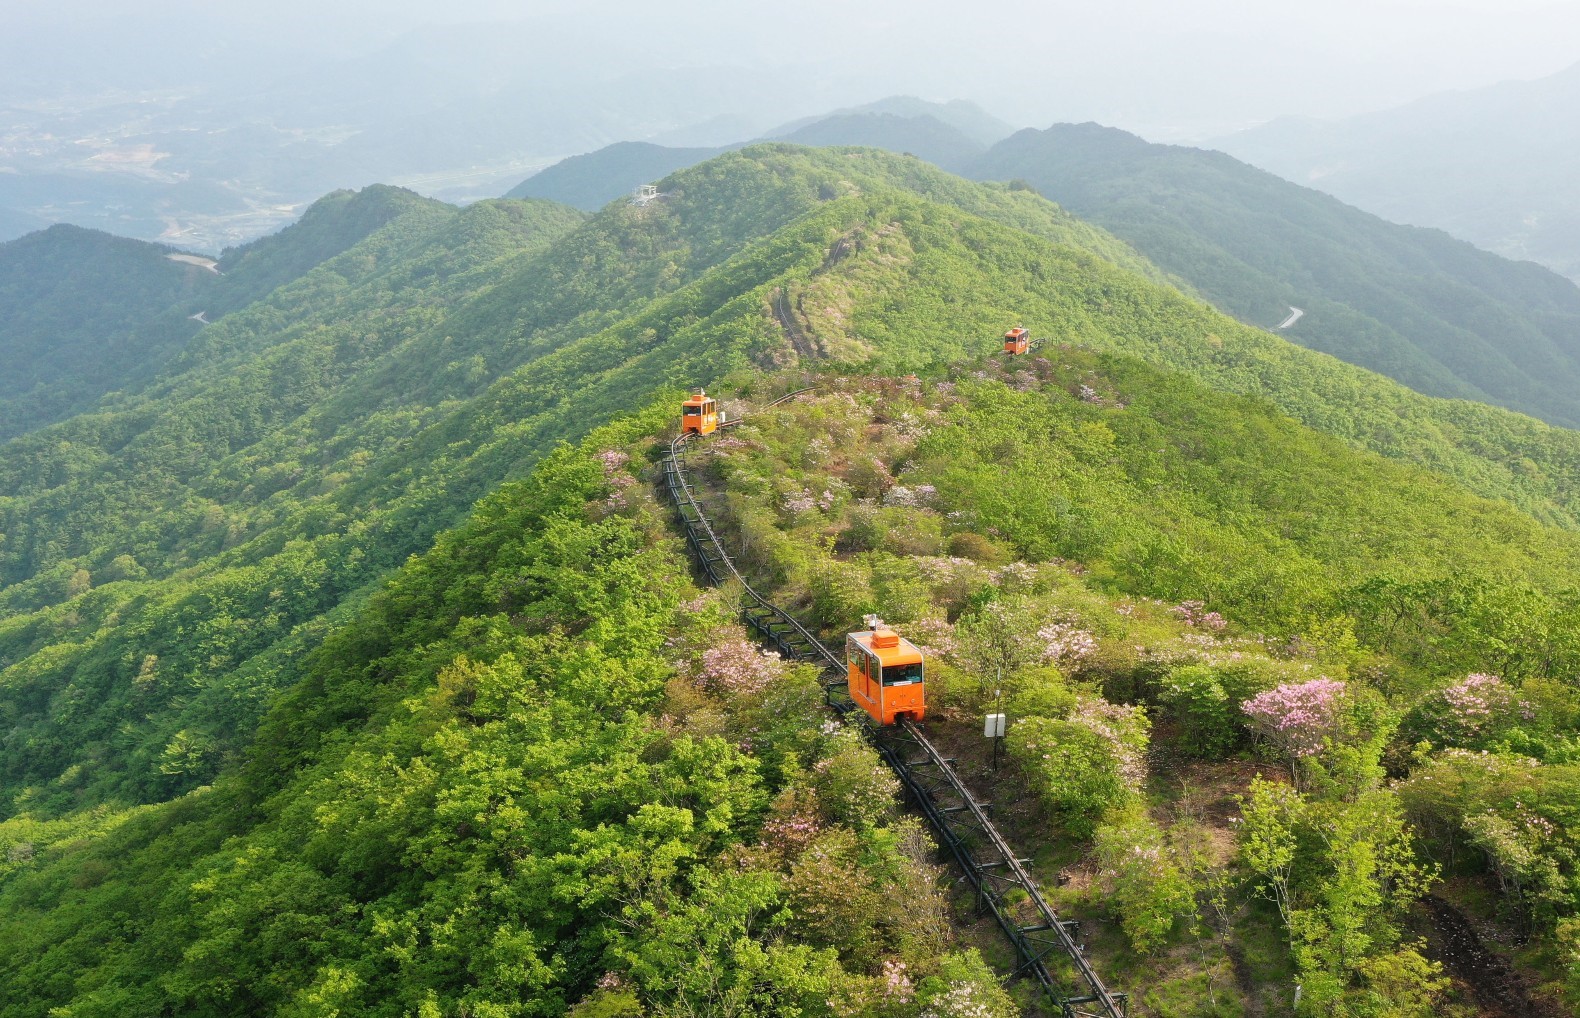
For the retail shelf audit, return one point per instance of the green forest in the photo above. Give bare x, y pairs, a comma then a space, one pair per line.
1435, 313
1414, 304
350, 664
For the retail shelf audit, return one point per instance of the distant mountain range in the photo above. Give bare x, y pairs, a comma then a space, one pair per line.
923, 136
1435, 313
1439, 315
217, 149
1497, 166
948, 135
971, 122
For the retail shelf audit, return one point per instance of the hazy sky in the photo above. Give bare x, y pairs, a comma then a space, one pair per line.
1167, 68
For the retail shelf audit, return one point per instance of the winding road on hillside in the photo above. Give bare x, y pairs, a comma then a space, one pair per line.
198, 260
1294, 316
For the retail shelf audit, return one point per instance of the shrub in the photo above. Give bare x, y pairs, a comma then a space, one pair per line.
905, 597
977, 548
1148, 889
1473, 713
1401, 984
896, 529
964, 987
735, 666
841, 594
1085, 765
912, 531
999, 639
1202, 709
863, 530
1065, 643
869, 477
1041, 692
854, 787
1298, 717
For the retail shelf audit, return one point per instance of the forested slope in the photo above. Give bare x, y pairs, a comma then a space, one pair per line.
75, 304
257, 758
88, 314
315, 439
1439, 315
480, 800
592, 180
331, 225
1105, 552
1433, 312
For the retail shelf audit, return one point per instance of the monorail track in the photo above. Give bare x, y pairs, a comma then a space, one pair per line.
1046, 943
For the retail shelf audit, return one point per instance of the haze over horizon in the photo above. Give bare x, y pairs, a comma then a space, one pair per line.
204, 125
1162, 70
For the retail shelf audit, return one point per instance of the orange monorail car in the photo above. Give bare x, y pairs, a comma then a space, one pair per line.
1017, 340
885, 675
700, 413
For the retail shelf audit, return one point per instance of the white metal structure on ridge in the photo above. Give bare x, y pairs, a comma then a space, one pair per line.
645, 194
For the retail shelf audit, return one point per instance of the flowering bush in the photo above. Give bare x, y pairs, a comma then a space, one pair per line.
1015, 576
1297, 717
1066, 644
798, 502
897, 987
1194, 613
736, 667
853, 785
1473, 713
964, 987
790, 834
938, 569
614, 463
1475, 700
1125, 729
961, 1000
1083, 765
935, 636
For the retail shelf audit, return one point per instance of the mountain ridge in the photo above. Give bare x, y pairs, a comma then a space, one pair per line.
544, 353
1442, 317
375, 605
1439, 315
1494, 165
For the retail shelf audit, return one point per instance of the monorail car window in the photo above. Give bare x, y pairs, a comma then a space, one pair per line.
693, 411
902, 675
